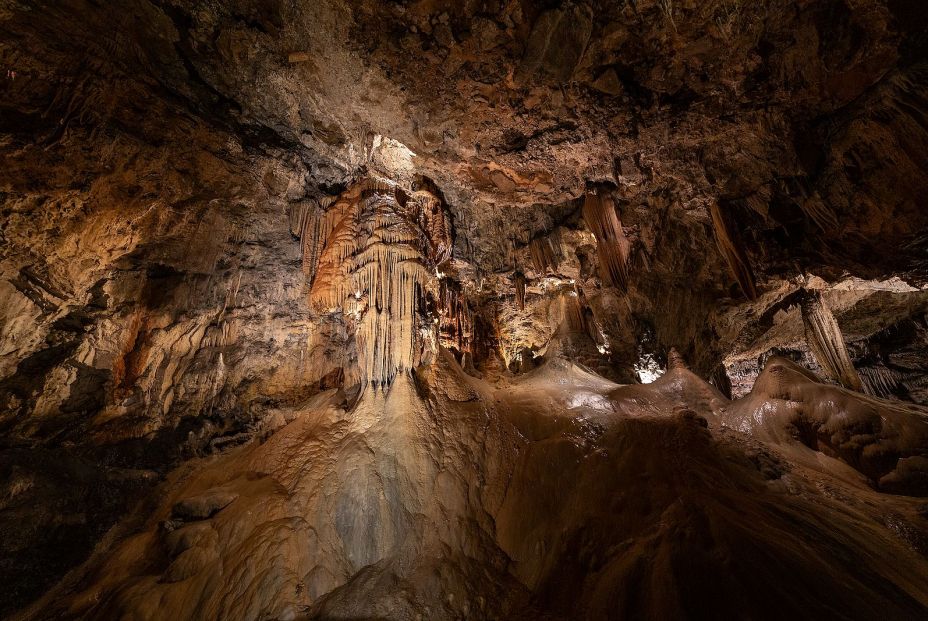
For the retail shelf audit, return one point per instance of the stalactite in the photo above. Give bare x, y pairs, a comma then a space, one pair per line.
575, 313
296, 213
546, 252
879, 381
733, 253
387, 270
820, 213
720, 380
368, 256
312, 236
455, 316
518, 279
586, 315
512, 255
337, 243
825, 340
612, 246
435, 223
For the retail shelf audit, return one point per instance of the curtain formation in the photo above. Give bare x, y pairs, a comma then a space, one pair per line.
612, 246
371, 256
733, 253
826, 342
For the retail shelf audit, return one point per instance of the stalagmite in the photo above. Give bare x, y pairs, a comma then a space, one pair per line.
825, 340
612, 246
675, 360
733, 253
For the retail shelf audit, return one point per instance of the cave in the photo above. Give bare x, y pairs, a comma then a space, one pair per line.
475, 309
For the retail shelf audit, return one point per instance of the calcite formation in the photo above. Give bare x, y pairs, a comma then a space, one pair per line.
473, 497
441, 310
612, 246
546, 253
371, 258
733, 252
826, 341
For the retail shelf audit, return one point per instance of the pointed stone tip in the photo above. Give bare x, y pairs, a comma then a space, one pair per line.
675, 360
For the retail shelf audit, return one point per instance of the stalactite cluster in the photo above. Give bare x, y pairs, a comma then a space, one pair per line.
733, 252
612, 246
371, 259
314, 223
305, 312
825, 340
546, 252
879, 381
820, 213
456, 318
436, 224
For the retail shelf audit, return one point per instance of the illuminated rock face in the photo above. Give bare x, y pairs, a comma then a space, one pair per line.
341, 309
373, 269
371, 259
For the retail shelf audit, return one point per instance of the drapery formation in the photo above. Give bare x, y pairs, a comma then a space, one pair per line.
435, 223
456, 316
733, 253
370, 256
825, 340
546, 252
612, 246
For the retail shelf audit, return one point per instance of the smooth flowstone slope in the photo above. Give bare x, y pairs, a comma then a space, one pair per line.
650, 505
554, 495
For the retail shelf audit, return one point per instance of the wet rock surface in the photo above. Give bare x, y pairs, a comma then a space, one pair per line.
559, 495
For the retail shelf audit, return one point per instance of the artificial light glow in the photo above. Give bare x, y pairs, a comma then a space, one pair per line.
648, 369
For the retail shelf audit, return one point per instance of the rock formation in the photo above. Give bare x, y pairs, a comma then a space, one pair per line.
825, 340
492, 310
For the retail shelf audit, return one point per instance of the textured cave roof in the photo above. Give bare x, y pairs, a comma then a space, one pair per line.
514, 109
